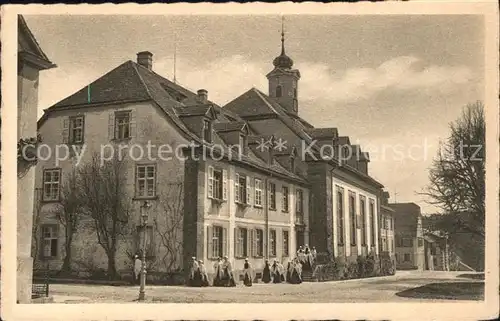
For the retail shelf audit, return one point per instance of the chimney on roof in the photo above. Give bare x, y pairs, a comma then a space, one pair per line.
202, 96
145, 59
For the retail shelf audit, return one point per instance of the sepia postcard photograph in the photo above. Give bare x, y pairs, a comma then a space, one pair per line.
250, 161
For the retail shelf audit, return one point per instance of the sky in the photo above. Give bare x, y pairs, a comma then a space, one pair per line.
392, 83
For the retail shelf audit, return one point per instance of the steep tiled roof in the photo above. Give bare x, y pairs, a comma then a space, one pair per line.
229, 126
255, 103
131, 82
120, 84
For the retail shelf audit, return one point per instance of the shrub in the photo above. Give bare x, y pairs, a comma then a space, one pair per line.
352, 270
361, 264
387, 266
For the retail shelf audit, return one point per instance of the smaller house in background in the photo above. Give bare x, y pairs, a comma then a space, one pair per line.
409, 236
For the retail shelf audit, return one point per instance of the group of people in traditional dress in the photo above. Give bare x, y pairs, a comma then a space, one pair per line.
275, 272
198, 275
223, 274
306, 256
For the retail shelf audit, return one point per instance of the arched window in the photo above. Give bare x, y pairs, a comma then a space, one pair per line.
295, 93
279, 91
295, 105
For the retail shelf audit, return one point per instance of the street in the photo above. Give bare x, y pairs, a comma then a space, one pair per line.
381, 289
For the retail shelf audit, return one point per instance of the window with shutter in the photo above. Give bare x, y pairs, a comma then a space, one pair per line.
132, 124
258, 192
224, 185
248, 242
353, 218
237, 242
210, 183
253, 251
249, 190
111, 126
65, 130
237, 188
76, 129
224, 242
272, 196
210, 253
285, 201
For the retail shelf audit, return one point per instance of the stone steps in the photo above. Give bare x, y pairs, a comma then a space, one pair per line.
308, 277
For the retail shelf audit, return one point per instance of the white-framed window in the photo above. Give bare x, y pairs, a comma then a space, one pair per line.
51, 184
352, 214
241, 242
362, 209
122, 125
284, 199
258, 243
286, 243
340, 215
145, 184
371, 216
272, 196
76, 129
50, 241
272, 242
217, 243
299, 202
258, 192
242, 189
217, 183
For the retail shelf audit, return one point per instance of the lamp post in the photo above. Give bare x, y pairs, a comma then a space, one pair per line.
144, 217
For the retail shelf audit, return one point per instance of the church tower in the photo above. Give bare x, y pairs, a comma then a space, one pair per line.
283, 80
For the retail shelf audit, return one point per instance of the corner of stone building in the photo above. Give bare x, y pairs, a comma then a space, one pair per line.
193, 224
321, 208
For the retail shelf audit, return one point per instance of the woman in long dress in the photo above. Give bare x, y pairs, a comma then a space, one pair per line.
296, 277
247, 280
289, 270
228, 278
203, 274
266, 273
193, 273
276, 272
218, 273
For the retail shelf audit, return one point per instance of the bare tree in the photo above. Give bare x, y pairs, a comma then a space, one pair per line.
457, 174
102, 189
68, 212
168, 225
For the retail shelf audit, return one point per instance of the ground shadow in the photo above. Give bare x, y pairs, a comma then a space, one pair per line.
446, 291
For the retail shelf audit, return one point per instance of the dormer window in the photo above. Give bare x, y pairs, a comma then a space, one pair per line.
242, 142
207, 131
279, 91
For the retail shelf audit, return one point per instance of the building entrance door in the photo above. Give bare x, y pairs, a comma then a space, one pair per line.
299, 237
